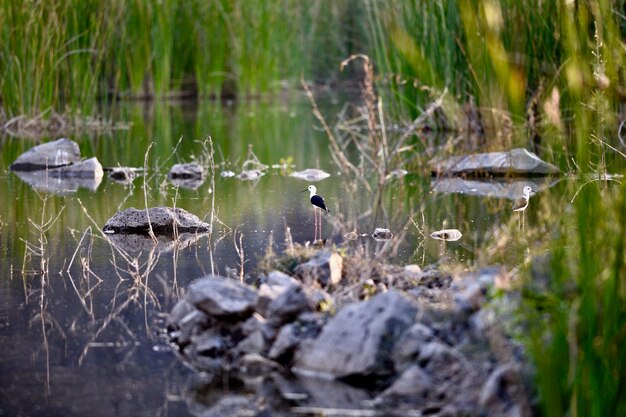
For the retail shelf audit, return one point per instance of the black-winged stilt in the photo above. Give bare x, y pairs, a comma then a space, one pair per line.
318, 202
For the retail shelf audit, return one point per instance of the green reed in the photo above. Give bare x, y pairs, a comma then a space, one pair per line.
70, 54
503, 53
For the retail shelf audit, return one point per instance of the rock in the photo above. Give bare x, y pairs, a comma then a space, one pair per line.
471, 289
290, 336
359, 340
222, 297
227, 405
413, 386
288, 305
60, 152
187, 175
502, 392
324, 267
184, 321
123, 175
209, 343
490, 187
382, 234
253, 364
517, 161
281, 279
450, 235
250, 175
311, 175
162, 219
186, 171
254, 343
87, 169
407, 349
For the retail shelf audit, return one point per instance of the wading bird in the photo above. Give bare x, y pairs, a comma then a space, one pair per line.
521, 203
318, 203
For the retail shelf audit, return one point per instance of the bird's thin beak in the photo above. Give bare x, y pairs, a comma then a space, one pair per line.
303, 191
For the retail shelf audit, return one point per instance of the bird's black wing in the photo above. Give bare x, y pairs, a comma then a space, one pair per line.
318, 201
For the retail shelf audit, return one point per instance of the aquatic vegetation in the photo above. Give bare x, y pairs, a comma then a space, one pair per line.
528, 67
69, 55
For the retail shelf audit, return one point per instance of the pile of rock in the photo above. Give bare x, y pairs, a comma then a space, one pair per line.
424, 349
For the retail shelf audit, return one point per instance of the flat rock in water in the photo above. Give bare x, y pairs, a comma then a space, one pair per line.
219, 296
360, 339
511, 189
88, 169
517, 161
54, 154
162, 219
310, 174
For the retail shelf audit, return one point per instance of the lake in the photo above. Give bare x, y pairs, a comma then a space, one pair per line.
81, 326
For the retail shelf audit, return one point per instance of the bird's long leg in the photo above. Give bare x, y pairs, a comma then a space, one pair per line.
315, 217
320, 224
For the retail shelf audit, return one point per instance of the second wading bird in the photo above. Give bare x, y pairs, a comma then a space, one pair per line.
318, 203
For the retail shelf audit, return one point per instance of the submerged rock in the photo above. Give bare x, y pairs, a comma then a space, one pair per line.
517, 161
450, 235
250, 175
60, 152
311, 175
164, 220
189, 175
359, 340
382, 234
123, 175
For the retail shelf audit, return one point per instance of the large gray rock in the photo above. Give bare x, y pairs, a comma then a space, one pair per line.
164, 220
54, 154
359, 340
517, 161
220, 297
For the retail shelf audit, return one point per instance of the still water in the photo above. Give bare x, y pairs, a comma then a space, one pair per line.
80, 324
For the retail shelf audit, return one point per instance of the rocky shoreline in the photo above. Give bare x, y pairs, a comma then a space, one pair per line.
324, 339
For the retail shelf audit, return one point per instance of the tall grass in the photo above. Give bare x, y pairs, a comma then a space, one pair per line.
69, 54
579, 321
503, 53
